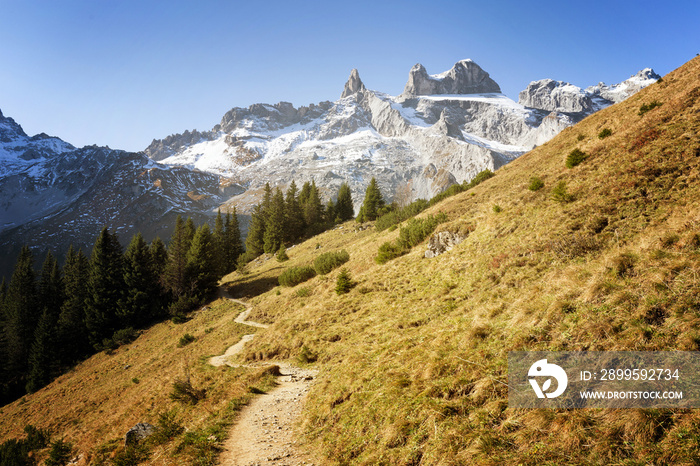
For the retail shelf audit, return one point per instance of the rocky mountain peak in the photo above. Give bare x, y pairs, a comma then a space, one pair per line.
465, 77
555, 96
354, 84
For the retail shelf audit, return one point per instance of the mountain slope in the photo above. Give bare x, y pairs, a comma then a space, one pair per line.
442, 129
53, 195
413, 361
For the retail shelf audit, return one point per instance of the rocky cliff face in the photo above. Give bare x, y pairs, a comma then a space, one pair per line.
559, 96
354, 84
555, 96
443, 129
53, 195
465, 77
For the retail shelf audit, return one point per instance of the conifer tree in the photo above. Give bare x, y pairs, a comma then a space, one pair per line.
177, 259
294, 217
330, 213
255, 241
219, 246
159, 258
105, 288
139, 304
267, 200
233, 246
50, 289
21, 313
73, 342
313, 211
200, 273
344, 207
189, 233
372, 204
304, 194
274, 224
42, 360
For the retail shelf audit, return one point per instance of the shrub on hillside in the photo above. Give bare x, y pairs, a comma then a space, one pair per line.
184, 391
575, 157
415, 231
344, 283
604, 133
560, 193
185, 340
60, 453
328, 261
536, 184
282, 254
397, 216
168, 428
480, 178
646, 107
295, 275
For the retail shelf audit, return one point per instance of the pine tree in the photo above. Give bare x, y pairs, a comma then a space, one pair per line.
139, 304
73, 342
189, 233
313, 211
344, 208
282, 254
267, 199
304, 194
105, 288
344, 283
330, 213
219, 246
42, 360
200, 273
274, 224
233, 246
50, 289
255, 241
294, 217
177, 259
21, 313
372, 204
159, 258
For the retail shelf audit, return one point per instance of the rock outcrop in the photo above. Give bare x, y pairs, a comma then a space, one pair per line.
619, 92
138, 433
465, 77
354, 84
442, 242
555, 96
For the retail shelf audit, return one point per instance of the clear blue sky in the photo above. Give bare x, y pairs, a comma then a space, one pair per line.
122, 72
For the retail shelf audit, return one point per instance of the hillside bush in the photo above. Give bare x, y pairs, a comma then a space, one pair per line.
328, 261
185, 340
560, 193
168, 428
575, 158
415, 231
60, 453
18, 452
295, 275
536, 184
344, 283
650, 106
604, 133
397, 216
183, 391
282, 254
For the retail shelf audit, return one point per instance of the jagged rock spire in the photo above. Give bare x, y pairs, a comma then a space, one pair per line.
354, 84
465, 77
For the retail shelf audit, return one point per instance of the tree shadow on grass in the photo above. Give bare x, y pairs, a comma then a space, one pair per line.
251, 287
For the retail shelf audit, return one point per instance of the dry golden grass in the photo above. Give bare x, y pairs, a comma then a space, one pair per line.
414, 358
97, 402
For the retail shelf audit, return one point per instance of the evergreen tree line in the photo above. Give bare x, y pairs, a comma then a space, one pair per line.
53, 319
285, 218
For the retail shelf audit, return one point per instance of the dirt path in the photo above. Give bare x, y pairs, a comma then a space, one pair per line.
265, 430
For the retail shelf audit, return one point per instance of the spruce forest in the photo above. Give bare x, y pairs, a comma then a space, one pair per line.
54, 318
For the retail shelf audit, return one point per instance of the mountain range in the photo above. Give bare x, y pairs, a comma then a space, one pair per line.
443, 129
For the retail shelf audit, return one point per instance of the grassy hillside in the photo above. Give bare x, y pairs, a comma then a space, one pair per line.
414, 358
95, 404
